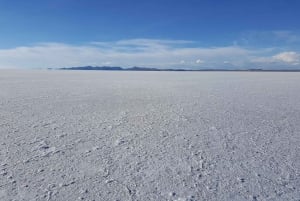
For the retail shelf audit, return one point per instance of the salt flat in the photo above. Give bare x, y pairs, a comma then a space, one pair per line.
99, 135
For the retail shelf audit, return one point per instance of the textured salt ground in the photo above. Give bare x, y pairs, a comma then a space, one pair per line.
85, 135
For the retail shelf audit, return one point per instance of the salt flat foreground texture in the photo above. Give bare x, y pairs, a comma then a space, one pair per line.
86, 135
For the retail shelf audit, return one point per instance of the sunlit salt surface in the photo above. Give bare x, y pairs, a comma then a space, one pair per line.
100, 135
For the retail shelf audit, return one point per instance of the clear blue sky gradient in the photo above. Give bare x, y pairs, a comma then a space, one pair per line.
210, 23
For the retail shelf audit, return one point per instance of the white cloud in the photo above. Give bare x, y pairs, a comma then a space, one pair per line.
289, 57
107, 63
199, 61
139, 52
282, 57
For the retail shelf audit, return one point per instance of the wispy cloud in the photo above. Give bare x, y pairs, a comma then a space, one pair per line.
144, 52
288, 36
271, 38
290, 59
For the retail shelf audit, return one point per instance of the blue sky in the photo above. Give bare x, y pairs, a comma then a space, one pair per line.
158, 33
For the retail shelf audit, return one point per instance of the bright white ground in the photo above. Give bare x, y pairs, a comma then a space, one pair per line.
95, 135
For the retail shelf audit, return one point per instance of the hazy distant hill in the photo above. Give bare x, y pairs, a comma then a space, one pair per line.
119, 68
116, 68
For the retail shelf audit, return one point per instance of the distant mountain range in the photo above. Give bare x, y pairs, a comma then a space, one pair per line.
112, 68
